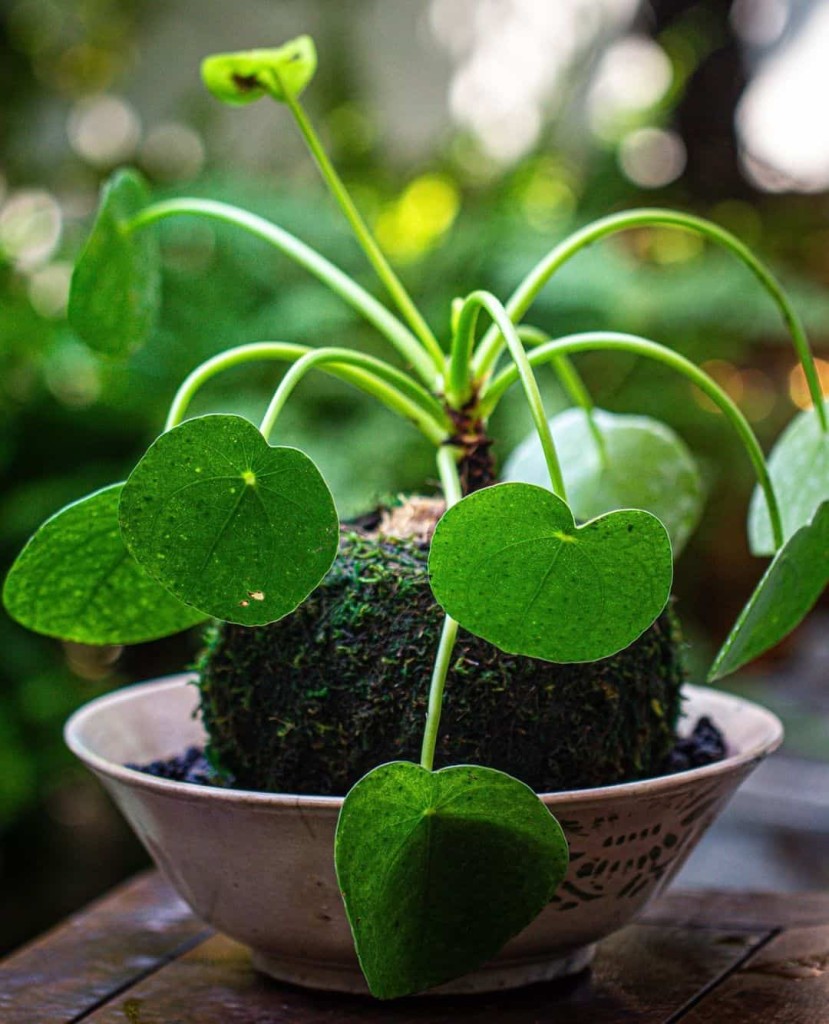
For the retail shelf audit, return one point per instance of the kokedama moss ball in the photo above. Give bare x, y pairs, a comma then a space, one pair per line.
311, 703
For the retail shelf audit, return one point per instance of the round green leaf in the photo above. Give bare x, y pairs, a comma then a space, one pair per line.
799, 470
244, 77
439, 869
509, 563
116, 285
76, 580
784, 596
229, 524
648, 467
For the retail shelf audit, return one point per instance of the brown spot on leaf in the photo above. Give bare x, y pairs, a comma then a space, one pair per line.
246, 83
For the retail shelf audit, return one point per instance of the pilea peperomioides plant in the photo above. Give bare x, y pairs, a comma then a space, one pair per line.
569, 560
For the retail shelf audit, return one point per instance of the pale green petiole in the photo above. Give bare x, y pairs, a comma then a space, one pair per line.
368, 243
615, 342
571, 380
337, 280
459, 369
523, 296
450, 481
392, 387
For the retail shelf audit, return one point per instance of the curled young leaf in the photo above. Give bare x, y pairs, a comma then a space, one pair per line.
116, 285
248, 75
76, 580
438, 870
227, 523
511, 566
644, 465
784, 596
799, 470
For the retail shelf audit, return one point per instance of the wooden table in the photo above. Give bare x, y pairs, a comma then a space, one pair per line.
138, 956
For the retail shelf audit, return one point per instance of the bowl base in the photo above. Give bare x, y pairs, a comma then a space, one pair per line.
333, 977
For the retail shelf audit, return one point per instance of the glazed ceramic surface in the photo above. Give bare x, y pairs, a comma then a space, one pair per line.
259, 866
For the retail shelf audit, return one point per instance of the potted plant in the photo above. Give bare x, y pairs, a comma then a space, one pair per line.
544, 599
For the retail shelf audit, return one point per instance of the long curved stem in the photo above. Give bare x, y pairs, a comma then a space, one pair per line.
393, 284
615, 342
375, 377
337, 280
197, 378
523, 296
571, 381
355, 368
448, 470
523, 369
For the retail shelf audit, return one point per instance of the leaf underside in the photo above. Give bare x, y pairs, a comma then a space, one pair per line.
229, 524
440, 869
76, 580
799, 471
784, 596
648, 466
116, 285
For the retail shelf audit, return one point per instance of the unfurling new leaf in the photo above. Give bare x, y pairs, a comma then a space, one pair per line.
247, 76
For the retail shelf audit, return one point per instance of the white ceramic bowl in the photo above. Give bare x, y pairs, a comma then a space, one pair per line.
259, 866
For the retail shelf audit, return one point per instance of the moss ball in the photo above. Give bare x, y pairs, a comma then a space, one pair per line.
311, 703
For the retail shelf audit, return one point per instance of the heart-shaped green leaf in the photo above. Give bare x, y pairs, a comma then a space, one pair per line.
647, 466
509, 563
76, 580
799, 470
229, 524
116, 285
249, 75
784, 596
439, 869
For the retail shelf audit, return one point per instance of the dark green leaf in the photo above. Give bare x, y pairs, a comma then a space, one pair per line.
509, 563
76, 580
439, 870
229, 524
249, 75
116, 284
799, 469
784, 596
648, 466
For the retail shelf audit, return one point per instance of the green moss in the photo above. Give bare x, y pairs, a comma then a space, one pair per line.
311, 703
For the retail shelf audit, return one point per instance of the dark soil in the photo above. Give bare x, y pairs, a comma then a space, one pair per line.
191, 766
705, 745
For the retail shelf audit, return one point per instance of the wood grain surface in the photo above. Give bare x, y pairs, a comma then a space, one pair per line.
140, 957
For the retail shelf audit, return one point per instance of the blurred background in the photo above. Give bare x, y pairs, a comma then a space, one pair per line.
473, 134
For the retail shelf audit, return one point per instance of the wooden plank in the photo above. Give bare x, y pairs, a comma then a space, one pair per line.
96, 953
642, 974
786, 982
706, 908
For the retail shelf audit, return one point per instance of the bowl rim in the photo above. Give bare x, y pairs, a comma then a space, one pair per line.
130, 777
